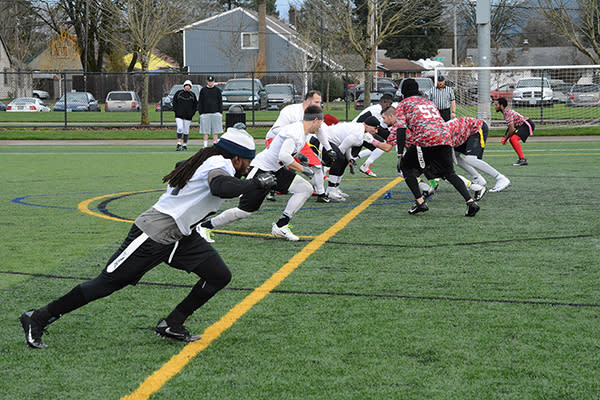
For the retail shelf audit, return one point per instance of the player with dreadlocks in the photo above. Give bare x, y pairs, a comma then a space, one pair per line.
167, 233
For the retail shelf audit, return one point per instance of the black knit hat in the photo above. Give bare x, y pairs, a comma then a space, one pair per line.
410, 87
371, 121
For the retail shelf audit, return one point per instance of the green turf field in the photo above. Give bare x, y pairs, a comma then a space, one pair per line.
372, 304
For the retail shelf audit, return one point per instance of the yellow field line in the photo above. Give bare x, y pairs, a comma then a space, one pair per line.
172, 367
84, 206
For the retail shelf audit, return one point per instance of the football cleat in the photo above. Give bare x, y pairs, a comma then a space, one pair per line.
205, 233
417, 208
271, 196
176, 332
323, 198
472, 209
366, 169
501, 183
478, 195
33, 330
520, 162
479, 180
284, 232
178, 148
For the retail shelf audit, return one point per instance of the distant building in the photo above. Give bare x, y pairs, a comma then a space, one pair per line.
227, 43
533, 56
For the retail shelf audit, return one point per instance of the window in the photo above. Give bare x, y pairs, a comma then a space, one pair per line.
249, 40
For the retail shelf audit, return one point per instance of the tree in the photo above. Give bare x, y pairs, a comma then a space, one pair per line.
22, 33
146, 22
385, 19
419, 42
581, 24
88, 18
507, 17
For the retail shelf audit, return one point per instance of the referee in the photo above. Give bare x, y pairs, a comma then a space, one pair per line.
444, 99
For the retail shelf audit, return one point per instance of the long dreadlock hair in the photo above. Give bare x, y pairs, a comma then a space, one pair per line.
184, 170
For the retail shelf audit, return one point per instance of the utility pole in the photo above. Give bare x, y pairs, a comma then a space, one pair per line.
483, 14
455, 39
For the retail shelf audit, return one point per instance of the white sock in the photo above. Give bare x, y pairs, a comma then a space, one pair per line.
301, 191
375, 154
229, 216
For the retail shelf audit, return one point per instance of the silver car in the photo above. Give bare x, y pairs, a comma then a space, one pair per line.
122, 101
582, 95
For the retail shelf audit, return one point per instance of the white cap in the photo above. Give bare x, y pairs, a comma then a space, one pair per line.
188, 82
237, 142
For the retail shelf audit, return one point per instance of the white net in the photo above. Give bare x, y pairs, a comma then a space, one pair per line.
564, 95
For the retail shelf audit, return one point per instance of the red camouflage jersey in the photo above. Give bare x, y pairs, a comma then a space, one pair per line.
425, 126
463, 127
511, 116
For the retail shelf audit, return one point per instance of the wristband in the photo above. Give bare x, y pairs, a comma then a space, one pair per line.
375, 142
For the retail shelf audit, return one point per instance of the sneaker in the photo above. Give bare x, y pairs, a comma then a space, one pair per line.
338, 192
284, 232
323, 198
520, 162
501, 183
271, 196
478, 195
417, 208
205, 233
479, 180
365, 169
335, 197
178, 148
184, 148
177, 332
33, 330
472, 209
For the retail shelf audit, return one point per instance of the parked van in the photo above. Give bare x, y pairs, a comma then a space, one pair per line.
122, 101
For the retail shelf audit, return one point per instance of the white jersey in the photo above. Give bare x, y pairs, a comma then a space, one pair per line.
288, 115
346, 135
290, 140
194, 201
375, 111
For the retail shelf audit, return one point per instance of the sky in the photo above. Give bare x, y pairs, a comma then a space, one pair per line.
283, 6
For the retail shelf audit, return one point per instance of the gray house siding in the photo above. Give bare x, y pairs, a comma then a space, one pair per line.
214, 45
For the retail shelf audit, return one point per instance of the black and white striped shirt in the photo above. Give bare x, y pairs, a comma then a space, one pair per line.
442, 97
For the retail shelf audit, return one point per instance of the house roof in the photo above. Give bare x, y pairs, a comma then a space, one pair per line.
157, 61
535, 56
275, 26
400, 64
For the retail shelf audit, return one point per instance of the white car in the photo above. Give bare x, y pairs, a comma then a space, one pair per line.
41, 94
533, 92
27, 104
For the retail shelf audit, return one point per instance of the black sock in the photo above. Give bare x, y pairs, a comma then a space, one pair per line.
283, 221
200, 294
67, 303
207, 224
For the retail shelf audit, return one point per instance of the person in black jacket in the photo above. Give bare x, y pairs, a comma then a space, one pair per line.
184, 105
210, 108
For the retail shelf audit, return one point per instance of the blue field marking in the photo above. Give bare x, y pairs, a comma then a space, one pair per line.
19, 200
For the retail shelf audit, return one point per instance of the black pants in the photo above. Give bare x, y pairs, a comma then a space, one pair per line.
137, 255
438, 163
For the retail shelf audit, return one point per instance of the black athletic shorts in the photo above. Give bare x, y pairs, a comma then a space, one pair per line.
475, 144
523, 131
138, 254
438, 161
252, 200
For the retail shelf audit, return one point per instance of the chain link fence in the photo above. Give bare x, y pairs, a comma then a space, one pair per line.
263, 94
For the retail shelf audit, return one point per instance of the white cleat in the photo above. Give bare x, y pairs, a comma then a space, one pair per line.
284, 232
501, 183
205, 233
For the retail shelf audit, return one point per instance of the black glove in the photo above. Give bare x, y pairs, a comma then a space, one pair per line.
331, 154
308, 172
265, 180
352, 165
399, 164
302, 159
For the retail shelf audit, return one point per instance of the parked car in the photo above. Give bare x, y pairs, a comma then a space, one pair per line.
425, 85
41, 94
359, 104
281, 94
27, 104
167, 100
582, 95
384, 85
77, 101
505, 91
220, 85
560, 92
533, 92
2, 106
239, 91
122, 101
